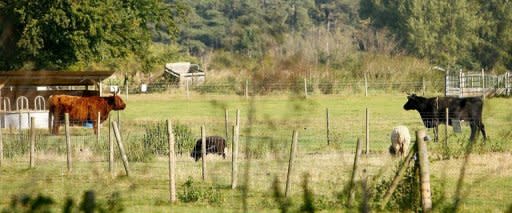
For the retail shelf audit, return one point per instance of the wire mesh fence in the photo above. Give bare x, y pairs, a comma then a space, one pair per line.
264, 153
307, 87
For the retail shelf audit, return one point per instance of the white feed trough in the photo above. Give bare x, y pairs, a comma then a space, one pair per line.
20, 117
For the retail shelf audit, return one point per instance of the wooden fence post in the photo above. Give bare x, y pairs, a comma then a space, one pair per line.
110, 147
68, 140
98, 127
234, 159
447, 111
32, 141
187, 90
172, 163
327, 122
226, 126
119, 120
246, 89
293, 149
1, 147
203, 152
121, 149
126, 85
305, 88
483, 84
354, 173
237, 121
365, 85
423, 86
367, 131
426, 195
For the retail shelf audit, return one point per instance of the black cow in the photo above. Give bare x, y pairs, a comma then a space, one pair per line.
433, 112
214, 144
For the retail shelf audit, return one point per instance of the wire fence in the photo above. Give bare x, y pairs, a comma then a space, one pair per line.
265, 151
306, 87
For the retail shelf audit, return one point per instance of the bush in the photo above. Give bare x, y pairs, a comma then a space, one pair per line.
406, 196
194, 193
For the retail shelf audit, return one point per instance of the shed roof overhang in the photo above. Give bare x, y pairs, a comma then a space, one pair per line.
52, 78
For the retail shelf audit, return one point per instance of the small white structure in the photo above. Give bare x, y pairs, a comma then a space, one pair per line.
184, 73
400, 140
20, 118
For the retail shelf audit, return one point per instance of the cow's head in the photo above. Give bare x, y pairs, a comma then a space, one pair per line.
116, 102
413, 102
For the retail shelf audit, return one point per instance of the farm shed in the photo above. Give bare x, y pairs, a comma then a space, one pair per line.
183, 73
24, 94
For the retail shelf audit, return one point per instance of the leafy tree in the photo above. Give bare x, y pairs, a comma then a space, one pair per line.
59, 34
471, 33
494, 48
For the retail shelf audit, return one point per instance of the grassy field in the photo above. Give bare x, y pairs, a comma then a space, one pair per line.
268, 130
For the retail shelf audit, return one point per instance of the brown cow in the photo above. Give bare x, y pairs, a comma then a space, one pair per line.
82, 108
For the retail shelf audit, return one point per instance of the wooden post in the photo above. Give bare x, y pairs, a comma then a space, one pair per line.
1, 147
423, 86
247, 89
398, 176
365, 85
293, 149
119, 120
203, 152
446, 126
100, 88
98, 127
32, 141
234, 159
355, 167
172, 163
226, 123
426, 194
305, 88
237, 121
110, 147
187, 90
68, 140
126, 86
121, 149
483, 84
507, 82
367, 130
327, 122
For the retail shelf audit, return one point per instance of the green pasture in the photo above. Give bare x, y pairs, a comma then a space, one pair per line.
267, 123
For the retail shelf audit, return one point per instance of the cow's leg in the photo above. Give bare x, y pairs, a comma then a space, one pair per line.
474, 129
56, 123
482, 129
95, 126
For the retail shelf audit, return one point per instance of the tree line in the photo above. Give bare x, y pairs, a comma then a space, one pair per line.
65, 34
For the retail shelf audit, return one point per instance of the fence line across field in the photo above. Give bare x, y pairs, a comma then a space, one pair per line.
302, 162
247, 88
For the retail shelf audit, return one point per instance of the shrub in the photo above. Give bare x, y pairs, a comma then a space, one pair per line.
406, 196
194, 193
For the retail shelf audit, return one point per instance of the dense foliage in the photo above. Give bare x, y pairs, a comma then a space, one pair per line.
59, 34
63, 34
470, 33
